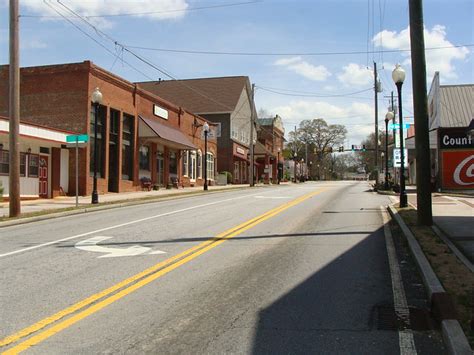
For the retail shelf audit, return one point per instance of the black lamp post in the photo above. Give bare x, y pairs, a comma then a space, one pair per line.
388, 117
278, 167
205, 128
398, 76
96, 100
295, 159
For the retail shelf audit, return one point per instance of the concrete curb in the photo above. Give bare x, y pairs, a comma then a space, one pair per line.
112, 205
453, 335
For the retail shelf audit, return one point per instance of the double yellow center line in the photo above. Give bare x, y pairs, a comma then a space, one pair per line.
106, 297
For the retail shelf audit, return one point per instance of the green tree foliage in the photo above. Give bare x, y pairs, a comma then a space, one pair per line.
316, 139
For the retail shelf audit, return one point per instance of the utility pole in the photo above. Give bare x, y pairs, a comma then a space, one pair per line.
376, 89
252, 121
14, 113
420, 103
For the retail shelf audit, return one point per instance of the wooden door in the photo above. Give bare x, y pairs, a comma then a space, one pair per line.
43, 176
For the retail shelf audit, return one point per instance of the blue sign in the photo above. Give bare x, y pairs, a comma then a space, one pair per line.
397, 126
82, 138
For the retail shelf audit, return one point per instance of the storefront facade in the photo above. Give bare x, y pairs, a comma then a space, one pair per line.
141, 137
44, 161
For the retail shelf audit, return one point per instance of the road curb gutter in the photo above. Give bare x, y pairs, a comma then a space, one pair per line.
453, 335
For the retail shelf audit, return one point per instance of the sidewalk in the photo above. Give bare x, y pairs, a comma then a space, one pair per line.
65, 202
454, 216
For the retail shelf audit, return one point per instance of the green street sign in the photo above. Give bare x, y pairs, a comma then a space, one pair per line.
82, 138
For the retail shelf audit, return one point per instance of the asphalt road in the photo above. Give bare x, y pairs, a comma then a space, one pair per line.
284, 269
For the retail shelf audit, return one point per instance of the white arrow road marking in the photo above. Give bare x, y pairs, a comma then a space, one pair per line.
91, 245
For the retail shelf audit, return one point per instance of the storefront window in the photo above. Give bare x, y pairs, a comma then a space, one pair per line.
199, 165
4, 162
192, 165
99, 145
22, 164
185, 162
144, 157
33, 164
128, 134
173, 164
210, 166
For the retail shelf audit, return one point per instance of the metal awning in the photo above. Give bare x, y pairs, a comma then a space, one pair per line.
155, 131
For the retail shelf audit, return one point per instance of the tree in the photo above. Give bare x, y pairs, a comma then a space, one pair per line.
316, 139
367, 158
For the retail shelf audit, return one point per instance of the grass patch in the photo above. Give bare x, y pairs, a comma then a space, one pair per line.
456, 278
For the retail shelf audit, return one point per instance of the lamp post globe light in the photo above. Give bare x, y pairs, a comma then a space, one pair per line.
96, 99
205, 128
388, 117
398, 76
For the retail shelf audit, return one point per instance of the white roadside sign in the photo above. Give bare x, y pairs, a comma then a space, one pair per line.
397, 157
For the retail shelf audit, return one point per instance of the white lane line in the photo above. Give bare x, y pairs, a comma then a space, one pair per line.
123, 225
405, 336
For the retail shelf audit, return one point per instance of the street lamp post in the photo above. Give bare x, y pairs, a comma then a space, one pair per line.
294, 160
205, 128
302, 172
278, 166
388, 117
398, 76
96, 100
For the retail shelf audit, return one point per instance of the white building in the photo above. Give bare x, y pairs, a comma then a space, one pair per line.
44, 161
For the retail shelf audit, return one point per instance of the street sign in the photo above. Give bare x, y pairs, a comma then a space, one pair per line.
82, 138
397, 157
397, 126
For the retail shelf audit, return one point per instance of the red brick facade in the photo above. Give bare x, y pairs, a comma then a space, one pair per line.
59, 96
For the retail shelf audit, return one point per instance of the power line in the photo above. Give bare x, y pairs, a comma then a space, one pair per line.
151, 12
100, 44
290, 53
312, 93
140, 58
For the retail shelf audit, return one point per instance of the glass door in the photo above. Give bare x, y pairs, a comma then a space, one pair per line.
160, 168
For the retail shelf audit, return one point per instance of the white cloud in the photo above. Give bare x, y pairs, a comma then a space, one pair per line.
355, 75
358, 117
152, 9
32, 44
303, 68
436, 60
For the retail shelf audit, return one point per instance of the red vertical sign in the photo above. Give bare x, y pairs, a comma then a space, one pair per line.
458, 169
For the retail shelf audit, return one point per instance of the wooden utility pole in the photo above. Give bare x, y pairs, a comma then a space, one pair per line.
14, 113
252, 122
420, 104
376, 89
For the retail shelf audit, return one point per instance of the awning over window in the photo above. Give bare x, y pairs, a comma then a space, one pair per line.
259, 149
158, 132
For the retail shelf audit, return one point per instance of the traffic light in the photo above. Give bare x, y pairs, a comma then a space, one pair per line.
353, 147
363, 148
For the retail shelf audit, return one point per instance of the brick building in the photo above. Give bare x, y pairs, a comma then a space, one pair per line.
269, 149
140, 135
227, 101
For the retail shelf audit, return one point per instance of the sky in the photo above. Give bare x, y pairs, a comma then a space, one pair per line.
308, 58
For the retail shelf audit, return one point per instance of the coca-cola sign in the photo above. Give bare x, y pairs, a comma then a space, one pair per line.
458, 169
